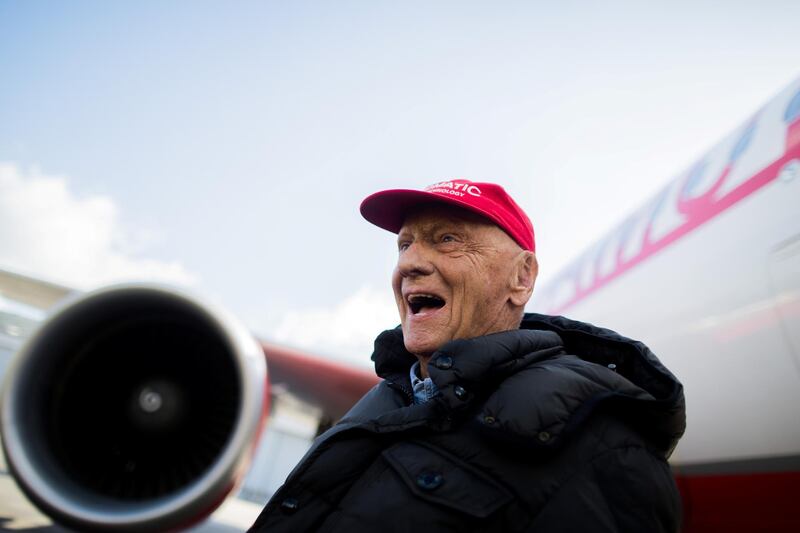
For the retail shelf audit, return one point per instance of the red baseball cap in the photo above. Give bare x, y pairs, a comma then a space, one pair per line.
387, 209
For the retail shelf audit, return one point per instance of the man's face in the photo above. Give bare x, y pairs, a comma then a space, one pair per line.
453, 277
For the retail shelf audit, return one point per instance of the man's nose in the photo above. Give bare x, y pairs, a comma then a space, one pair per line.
415, 261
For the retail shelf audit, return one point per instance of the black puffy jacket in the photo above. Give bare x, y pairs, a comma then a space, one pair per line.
558, 426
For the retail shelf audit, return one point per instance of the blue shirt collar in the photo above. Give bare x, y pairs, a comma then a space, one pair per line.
424, 389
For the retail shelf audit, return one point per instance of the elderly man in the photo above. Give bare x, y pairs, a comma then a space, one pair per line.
488, 419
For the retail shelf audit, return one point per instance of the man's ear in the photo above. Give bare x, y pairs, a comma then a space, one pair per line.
523, 278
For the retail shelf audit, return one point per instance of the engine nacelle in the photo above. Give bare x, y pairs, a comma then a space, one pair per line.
133, 408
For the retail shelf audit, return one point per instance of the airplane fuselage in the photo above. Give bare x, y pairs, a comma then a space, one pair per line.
707, 273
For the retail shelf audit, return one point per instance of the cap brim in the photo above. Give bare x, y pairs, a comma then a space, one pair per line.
388, 209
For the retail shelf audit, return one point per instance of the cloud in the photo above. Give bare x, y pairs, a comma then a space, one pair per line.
46, 231
346, 330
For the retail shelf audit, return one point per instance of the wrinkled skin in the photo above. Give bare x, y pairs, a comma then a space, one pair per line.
483, 277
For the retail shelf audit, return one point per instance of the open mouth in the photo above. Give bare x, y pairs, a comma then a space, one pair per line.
419, 303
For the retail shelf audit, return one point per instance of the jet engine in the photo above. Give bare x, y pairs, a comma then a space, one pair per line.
133, 408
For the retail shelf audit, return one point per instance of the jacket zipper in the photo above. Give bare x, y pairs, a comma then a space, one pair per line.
401, 388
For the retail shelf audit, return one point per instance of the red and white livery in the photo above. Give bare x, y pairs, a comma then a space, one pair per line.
707, 273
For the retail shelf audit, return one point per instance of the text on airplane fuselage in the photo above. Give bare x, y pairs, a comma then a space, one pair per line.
710, 187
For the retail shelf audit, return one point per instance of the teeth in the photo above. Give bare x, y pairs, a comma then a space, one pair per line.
415, 297
419, 301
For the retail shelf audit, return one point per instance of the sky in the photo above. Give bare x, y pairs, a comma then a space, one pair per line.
226, 146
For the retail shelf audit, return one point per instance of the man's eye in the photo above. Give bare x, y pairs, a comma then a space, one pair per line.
448, 238
402, 246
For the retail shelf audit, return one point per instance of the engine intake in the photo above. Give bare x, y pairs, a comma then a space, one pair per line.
132, 408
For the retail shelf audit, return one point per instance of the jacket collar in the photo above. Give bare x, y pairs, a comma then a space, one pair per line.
480, 361
467, 371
